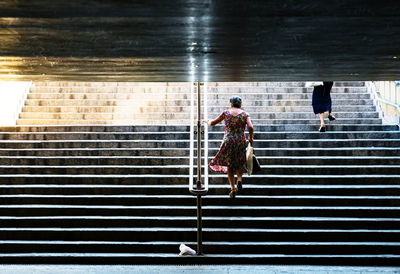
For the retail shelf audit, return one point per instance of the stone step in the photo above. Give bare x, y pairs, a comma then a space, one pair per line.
186, 128
212, 97
129, 89
343, 121
106, 188
186, 90
212, 135
295, 247
372, 260
177, 102
188, 234
190, 221
184, 152
214, 200
181, 115
184, 160
186, 109
274, 180
180, 84
210, 211
265, 143
262, 90
184, 169
116, 96
56, 122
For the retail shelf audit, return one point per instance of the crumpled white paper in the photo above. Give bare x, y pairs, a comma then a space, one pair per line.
185, 250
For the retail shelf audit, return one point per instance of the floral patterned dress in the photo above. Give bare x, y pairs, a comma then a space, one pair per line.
232, 152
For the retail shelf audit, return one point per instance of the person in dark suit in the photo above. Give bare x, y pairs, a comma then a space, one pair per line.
322, 102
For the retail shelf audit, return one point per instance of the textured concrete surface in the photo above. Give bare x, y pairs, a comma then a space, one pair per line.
173, 269
176, 40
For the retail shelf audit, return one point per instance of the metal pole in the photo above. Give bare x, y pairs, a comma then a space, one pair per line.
198, 183
199, 227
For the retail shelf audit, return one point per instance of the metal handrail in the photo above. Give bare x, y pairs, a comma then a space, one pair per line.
388, 102
191, 136
205, 105
200, 188
378, 97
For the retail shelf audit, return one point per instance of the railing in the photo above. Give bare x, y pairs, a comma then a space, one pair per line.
387, 94
199, 188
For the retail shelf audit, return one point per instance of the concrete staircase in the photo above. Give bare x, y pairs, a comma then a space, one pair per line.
112, 193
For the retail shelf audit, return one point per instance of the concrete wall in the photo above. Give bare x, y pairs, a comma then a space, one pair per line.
12, 97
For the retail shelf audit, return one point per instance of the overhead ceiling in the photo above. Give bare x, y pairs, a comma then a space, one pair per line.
203, 40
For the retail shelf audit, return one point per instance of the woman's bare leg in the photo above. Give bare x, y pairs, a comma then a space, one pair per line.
231, 178
239, 175
321, 119
239, 179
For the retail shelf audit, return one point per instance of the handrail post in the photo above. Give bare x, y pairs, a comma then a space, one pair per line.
200, 188
198, 182
199, 226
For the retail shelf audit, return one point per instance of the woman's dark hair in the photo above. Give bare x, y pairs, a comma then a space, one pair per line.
236, 101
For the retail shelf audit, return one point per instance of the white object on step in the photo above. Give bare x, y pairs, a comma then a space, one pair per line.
185, 250
314, 84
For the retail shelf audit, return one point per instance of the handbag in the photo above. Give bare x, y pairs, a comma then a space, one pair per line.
252, 164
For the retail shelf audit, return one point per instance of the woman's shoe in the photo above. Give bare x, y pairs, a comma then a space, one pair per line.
331, 118
239, 185
232, 194
322, 129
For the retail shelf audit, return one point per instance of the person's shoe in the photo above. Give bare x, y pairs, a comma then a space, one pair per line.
322, 129
331, 118
239, 185
232, 194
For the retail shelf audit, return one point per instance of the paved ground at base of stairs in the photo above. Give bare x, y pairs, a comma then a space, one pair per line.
173, 269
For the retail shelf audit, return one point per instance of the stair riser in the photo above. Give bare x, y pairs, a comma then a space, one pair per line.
185, 153
215, 189
186, 128
180, 84
177, 102
250, 96
186, 109
182, 115
188, 236
50, 222
184, 181
310, 248
291, 201
186, 90
185, 161
185, 122
212, 144
234, 212
196, 260
162, 170
213, 137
